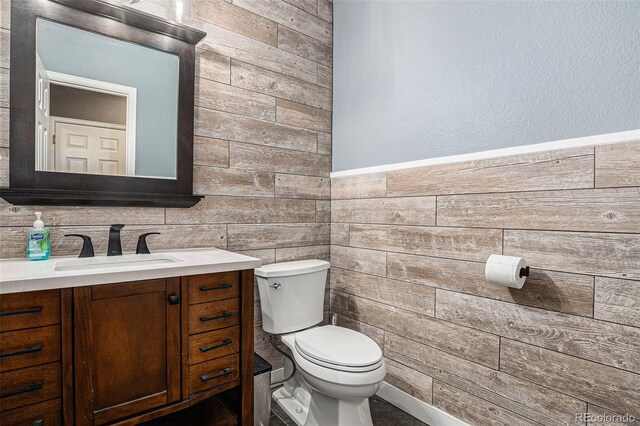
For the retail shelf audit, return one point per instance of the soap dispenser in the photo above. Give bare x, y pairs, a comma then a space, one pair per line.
38, 242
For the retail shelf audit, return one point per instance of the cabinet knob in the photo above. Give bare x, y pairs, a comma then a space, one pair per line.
174, 300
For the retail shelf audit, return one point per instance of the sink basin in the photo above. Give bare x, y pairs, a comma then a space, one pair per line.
110, 262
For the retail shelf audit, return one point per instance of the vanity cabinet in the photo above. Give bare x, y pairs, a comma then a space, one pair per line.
127, 353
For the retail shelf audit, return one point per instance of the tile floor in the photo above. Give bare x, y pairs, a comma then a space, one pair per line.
383, 413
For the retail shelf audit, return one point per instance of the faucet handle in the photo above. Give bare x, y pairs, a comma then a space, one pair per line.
87, 245
142, 243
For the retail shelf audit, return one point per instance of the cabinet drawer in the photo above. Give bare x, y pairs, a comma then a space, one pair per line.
28, 310
213, 315
207, 288
214, 344
43, 414
214, 373
24, 348
30, 385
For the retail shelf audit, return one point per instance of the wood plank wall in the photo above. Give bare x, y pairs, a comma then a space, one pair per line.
262, 142
408, 250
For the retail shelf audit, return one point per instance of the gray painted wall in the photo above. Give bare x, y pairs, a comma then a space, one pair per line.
154, 73
421, 79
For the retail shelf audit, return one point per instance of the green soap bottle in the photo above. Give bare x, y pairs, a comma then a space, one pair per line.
38, 242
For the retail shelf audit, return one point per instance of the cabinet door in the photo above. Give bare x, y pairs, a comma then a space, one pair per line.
127, 349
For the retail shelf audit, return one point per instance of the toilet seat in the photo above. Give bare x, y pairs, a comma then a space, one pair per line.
339, 349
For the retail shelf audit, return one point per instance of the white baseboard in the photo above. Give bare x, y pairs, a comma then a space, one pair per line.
607, 138
277, 375
419, 409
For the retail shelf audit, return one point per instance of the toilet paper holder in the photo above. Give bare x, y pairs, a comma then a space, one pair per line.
524, 272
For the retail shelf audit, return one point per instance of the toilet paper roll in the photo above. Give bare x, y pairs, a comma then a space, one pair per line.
505, 270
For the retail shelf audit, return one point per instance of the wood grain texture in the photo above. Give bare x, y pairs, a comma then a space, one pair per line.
236, 46
325, 10
602, 417
325, 76
464, 342
617, 301
412, 297
604, 342
324, 143
323, 211
306, 5
4, 167
618, 165
264, 158
359, 186
210, 152
590, 210
11, 215
4, 128
340, 234
288, 254
245, 237
290, 16
220, 125
271, 83
212, 66
5, 48
297, 186
244, 210
303, 116
223, 97
4, 88
172, 237
305, 46
406, 379
472, 409
561, 169
371, 262
398, 211
237, 19
527, 399
218, 181
608, 387
5, 14
555, 291
455, 243
613, 255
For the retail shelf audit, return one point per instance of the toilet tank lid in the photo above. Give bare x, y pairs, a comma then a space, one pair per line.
286, 269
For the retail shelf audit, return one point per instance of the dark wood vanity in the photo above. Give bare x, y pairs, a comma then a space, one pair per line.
127, 353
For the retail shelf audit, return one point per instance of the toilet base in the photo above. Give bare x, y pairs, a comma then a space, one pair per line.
308, 407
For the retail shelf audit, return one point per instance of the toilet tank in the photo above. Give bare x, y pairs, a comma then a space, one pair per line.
291, 294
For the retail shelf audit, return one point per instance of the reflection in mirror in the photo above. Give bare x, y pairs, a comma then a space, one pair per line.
104, 106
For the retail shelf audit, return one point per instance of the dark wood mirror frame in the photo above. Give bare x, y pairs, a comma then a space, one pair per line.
28, 186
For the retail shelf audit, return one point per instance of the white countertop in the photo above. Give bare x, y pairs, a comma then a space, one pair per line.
19, 275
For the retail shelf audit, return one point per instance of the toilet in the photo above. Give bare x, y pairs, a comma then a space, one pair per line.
336, 369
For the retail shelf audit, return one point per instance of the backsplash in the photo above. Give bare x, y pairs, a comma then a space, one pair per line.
262, 143
408, 251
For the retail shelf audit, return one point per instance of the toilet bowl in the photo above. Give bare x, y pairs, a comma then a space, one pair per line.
336, 369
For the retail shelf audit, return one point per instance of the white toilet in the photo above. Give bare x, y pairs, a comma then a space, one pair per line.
337, 369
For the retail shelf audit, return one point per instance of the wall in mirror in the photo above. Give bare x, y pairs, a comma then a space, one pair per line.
103, 105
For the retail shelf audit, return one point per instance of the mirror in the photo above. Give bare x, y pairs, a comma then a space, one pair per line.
104, 106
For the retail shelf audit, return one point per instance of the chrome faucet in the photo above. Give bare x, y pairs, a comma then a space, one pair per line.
115, 246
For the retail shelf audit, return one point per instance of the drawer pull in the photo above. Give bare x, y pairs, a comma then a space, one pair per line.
39, 422
217, 317
225, 372
219, 287
33, 349
210, 348
34, 387
22, 311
